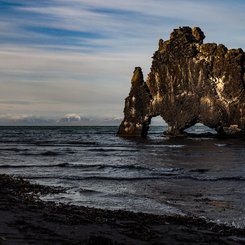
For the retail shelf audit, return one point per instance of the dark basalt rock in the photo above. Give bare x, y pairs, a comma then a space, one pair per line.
190, 82
137, 107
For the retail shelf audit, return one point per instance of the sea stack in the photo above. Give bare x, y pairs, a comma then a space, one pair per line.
190, 82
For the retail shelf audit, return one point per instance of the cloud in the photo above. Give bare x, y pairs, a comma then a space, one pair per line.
59, 56
61, 81
126, 20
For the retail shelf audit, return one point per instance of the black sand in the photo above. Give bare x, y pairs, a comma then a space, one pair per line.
25, 219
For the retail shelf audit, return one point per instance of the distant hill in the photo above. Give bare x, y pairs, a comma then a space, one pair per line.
70, 119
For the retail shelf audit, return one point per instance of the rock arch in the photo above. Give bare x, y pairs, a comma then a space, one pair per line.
189, 82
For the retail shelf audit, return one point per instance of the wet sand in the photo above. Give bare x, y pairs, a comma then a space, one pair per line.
25, 219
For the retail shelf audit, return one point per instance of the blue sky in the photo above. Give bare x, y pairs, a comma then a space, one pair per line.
77, 56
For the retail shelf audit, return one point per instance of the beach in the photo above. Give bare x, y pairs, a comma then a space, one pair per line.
25, 219
122, 122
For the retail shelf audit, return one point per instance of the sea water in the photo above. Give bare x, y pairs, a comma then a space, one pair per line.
194, 176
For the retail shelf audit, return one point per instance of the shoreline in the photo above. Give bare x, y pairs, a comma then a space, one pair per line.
26, 219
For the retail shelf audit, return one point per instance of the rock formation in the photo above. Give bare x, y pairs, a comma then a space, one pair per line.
190, 82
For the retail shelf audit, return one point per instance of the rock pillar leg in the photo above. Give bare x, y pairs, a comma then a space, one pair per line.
136, 120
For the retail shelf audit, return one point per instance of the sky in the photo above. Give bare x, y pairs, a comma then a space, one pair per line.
59, 57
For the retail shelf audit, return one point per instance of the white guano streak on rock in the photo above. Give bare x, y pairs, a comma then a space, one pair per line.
132, 111
200, 78
189, 71
128, 126
219, 87
138, 125
157, 98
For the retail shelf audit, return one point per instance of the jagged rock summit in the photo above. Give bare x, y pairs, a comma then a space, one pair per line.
190, 82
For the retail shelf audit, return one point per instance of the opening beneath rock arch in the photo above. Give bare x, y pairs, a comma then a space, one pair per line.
200, 129
157, 126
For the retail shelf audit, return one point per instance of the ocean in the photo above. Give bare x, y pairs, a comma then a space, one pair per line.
193, 176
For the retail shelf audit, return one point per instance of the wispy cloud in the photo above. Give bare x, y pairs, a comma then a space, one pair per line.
78, 55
